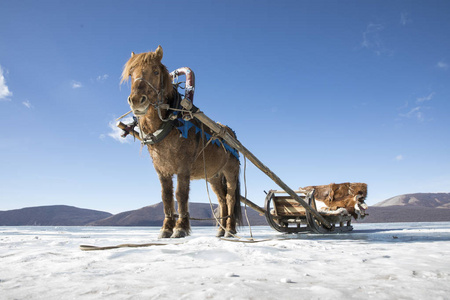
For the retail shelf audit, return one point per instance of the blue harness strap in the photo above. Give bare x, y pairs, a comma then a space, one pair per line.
187, 125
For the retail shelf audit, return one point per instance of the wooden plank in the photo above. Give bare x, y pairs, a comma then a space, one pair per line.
288, 207
296, 191
286, 197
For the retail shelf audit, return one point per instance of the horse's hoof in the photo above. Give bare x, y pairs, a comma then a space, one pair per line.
230, 234
179, 233
164, 234
220, 233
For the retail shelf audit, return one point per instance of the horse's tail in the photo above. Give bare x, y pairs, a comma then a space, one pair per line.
237, 204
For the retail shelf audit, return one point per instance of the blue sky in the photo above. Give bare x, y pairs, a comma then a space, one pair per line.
320, 91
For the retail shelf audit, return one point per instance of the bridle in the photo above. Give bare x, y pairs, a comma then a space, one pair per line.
166, 127
159, 93
173, 106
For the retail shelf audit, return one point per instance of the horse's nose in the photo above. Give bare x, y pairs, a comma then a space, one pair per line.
138, 104
137, 99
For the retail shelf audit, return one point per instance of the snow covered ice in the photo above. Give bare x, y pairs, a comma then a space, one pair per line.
375, 261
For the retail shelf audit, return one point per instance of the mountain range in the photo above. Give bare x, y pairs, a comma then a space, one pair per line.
434, 200
420, 207
56, 215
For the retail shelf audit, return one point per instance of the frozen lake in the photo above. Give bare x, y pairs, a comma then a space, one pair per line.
375, 261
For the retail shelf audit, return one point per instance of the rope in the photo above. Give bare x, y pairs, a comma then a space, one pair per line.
207, 188
202, 219
250, 241
98, 248
204, 147
93, 248
124, 115
213, 137
209, 219
243, 240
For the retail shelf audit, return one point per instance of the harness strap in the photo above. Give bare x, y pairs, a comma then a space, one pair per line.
168, 123
158, 135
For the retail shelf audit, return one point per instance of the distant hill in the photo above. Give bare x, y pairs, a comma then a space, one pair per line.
56, 215
153, 215
431, 200
419, 207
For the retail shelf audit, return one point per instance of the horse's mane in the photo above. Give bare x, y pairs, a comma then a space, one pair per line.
143, 60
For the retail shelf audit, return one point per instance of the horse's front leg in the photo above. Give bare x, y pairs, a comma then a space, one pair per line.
182, 227
169, 206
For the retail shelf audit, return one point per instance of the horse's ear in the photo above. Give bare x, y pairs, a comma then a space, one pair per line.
159, 52
132, 54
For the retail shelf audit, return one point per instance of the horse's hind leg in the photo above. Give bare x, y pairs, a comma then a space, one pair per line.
220, 189
231, 173
169, 206
182, 227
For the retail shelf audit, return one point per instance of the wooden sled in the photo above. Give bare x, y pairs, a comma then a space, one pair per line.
285, 214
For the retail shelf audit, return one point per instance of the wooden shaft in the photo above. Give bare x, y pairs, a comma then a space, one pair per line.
238, 146
253, 205
132, 132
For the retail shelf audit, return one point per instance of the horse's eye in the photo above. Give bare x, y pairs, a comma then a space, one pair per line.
155, 72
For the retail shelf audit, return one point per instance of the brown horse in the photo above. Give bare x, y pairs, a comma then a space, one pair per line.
151, 100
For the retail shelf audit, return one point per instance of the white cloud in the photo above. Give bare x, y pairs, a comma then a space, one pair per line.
116, 132
405, 19
102, 78
369, 33
399, 157
426, 98
442, 65
5, 93
415, 112
372, 39
76, 84
27, 104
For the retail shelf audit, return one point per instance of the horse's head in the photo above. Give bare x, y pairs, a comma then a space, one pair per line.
150, 80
